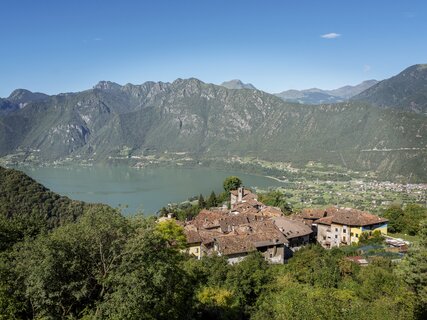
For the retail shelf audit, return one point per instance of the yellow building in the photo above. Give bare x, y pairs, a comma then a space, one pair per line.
344, 226
194, 241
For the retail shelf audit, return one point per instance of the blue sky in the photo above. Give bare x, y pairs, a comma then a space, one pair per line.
60, 46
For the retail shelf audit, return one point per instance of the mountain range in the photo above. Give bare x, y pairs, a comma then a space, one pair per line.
318, 96
210, 121
405, 91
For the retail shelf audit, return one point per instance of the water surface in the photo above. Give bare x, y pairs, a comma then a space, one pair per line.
145, 190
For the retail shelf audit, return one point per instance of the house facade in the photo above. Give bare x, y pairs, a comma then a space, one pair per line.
344, 226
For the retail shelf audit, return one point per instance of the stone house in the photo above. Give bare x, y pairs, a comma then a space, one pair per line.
297, 232
343, 226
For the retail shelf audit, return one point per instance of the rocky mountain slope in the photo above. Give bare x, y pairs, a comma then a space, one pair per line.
405, 91
206, 120
318, 96
19, 99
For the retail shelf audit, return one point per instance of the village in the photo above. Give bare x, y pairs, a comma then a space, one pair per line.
248, 225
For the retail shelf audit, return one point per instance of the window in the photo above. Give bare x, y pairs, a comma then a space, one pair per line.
357, 236
324, 237
344, 230
351, 234
197, 250
336, 229
343, 239
336, 236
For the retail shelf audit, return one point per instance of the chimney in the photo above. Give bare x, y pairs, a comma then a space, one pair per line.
240, 194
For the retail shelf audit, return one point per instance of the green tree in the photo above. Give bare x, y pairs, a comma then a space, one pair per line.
149, 283
62, 273
413, 270
201, 202
248, 279
394, 214
172, 233
212, 200
375, 238
276, 199
216, 303
232, 183
413, 215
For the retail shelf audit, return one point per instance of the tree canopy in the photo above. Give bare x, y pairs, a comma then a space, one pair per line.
232, 183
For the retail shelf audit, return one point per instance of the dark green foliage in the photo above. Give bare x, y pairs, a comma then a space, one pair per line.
107, 266
182, 212
201, 202
405, 220
413, 270
394, 214
371, 239
27, 208
66, 271
248, 280
303, 290
212, 200
148, 284
232, 183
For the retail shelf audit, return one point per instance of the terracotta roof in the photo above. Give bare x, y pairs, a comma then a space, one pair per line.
233, 220
350, 217
248, 237
292, 228
233, 244
271, 212
312, 214
208, 236
192, 234
244, 207
208, 219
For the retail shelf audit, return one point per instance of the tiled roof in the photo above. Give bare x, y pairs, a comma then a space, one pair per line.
244, 208
292, 228
350, 217
248, 237
233, 220
312, 213
192, 234
208, 219
271, 212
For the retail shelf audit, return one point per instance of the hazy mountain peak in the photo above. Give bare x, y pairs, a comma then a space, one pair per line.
237, 84
405, 91
107, 85
318, 96
24, 96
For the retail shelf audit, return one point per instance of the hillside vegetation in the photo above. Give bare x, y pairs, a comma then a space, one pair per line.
405, 91
28, 209
204, 120
107, 266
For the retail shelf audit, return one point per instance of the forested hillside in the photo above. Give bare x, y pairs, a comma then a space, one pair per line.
205, 121
27, 208
107, 266
405, 91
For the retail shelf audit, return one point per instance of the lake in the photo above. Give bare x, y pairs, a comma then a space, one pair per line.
146, 189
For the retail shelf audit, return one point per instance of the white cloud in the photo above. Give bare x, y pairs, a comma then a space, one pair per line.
366, 68
331, 35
